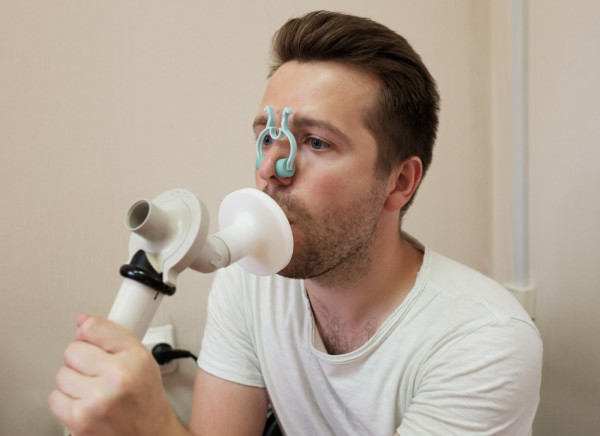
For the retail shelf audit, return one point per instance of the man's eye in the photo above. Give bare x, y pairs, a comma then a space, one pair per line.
267, 140
317, 144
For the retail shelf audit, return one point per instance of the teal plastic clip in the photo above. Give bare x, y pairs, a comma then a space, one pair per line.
283, 167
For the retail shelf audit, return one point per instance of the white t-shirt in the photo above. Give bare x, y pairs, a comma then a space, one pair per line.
459, 356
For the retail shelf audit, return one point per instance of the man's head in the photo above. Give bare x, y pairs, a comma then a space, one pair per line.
404, 116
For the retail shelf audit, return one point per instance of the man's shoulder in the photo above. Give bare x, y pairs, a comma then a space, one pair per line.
470, 293
462, 312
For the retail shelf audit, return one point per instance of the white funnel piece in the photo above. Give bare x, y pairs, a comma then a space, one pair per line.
256, 231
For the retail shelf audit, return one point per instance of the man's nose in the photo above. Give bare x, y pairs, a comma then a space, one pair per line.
276, 166
273, 166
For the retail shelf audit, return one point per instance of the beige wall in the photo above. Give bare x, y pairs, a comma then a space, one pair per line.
564, 156
102, 103
565, 208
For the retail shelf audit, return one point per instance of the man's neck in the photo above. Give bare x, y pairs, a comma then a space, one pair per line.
348, 314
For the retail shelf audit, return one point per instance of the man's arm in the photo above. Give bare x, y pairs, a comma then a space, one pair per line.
221, 407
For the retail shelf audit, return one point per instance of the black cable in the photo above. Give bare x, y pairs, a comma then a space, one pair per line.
164, 353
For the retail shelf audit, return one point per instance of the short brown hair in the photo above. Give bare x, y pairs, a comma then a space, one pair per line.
404, 119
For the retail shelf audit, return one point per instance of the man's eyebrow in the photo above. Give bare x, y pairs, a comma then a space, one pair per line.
303, 122
259, 121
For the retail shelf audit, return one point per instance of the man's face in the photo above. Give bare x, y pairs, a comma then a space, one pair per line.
334, 199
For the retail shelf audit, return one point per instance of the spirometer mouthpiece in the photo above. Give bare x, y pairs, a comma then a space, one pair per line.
169, 234
256, 231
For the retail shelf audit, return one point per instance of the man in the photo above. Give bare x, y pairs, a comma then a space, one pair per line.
365, 331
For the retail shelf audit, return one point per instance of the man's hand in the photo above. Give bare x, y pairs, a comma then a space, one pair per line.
110, 385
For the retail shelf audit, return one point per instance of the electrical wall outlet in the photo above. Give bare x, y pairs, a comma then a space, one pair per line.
161, 335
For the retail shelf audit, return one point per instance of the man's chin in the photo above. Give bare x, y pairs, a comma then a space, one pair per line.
292, 272
289, 274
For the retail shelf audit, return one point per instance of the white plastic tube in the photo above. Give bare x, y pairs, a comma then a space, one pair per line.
148, 220
521, 286
135, 306
520, 147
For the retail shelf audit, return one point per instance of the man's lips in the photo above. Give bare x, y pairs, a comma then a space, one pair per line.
284, 205
291, 222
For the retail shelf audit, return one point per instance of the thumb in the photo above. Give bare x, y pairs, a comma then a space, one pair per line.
81, 319
108, 335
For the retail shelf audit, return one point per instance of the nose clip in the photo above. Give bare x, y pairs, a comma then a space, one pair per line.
283, 167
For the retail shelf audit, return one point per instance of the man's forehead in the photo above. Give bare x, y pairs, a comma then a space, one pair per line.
320, 82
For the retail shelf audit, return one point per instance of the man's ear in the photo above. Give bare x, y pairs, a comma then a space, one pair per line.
403, 182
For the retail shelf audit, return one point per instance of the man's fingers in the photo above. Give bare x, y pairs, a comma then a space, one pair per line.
76, 414
61, 406
84, 357
72, 383
107, 378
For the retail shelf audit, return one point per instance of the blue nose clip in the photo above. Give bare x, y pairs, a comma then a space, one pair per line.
283, 167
